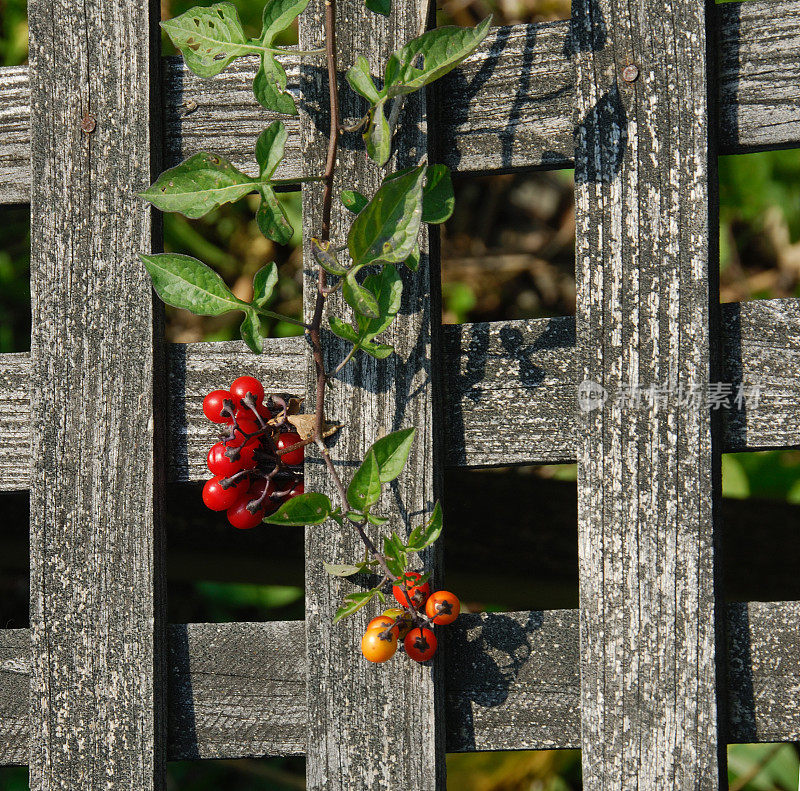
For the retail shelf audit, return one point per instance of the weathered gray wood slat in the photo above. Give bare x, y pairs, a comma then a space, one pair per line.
510, 106
512, 682
97, 691
353, 737
509, 390
647, 474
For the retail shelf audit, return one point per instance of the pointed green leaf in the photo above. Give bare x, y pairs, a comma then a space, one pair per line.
184, 282
359, 299
325, 257
353, 200
440, 51
251, 332
387, 288
365, 488
438, 199
278, 15
343, 330
394, 552
386, 229
378, 135
199, 184
380, 351
382, 7
264, 282
209, 38
425, 535
342, 569
412, 262
269, 148
271, 217
269, 86
354, 602
391, 453
360, 80
312, 508
374, 519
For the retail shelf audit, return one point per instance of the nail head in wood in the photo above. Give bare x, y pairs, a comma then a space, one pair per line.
88, 123
630, 73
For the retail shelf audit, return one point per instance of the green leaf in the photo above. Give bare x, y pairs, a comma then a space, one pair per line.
383, 7
251, 332
209, 38
378, 135
353, 200
387, 288
438, 199
278, 15
374, 519
343, 330
199, 184
269, 86
325, 257
386, 229
360, 80
425, 535
184, 282
391, 453
359, 299
412, 262
365, 488
394, 552
441, 50
343, 570
380, 351
264, 282
269, 148
271, 217
312, 508
354, 602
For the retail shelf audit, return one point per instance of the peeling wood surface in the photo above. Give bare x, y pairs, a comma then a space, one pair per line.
509, 390
354, 708
509, 106
236, 690
97, 692
648, 472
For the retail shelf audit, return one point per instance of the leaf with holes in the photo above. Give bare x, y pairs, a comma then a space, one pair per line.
199, 184
363, 302
251, 332
278, 15
386, 229
391, 453
312, 508
430, 56
269, 86
209, 39
269, 148
271, 217
184, 282
365, 488
425, 535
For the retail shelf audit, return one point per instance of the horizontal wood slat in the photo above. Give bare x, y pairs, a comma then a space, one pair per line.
510, 106
509, 389
238, 689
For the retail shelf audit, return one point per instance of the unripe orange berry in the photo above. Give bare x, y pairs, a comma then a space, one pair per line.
378, 647
442, 607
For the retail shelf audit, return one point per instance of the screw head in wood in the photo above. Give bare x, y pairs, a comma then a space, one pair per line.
630, 73
88, 123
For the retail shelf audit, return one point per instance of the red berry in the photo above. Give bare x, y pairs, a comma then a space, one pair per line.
213, 404
241, 518
221, 465
442, 607
286, 441
411, 595
245, 427
420, 643
244, 385
218, 498
245, 413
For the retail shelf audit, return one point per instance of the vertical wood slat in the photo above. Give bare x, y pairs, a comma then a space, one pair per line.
370, 726
647, 474
97, 678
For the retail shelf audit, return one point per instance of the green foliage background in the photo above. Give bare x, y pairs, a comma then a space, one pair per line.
498, 220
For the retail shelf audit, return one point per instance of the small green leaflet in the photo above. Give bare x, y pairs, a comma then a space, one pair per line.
311, 508
271, 217
184, 282
251, 332
387, 288
378, 135
354, 602
380, 351
278, 15
425, 535
270, 146
360, 80
209, 39
391, 453
357, 297
264, 282
395, 553
383, 7
386, 229
353, 200
441, 50
438, 200
343, 570
343, 330
325, 257
269, 86
365, 488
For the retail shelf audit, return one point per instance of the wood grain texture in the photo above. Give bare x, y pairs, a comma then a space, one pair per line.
354, 709
509, 390
510, 106
647, 472
236, 690
97, 691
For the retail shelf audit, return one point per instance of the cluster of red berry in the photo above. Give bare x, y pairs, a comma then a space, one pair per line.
257, 464
412, 623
